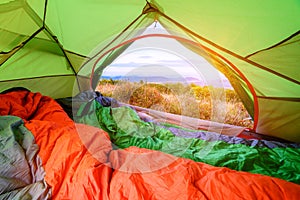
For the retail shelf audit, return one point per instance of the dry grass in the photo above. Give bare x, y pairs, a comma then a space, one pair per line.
209, 103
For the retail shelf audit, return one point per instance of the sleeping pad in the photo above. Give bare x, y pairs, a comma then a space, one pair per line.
78, 161
256, 156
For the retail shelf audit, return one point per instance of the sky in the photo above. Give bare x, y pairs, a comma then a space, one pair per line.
164, 57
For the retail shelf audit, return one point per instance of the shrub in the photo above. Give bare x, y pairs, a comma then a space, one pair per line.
208, 103
145, 96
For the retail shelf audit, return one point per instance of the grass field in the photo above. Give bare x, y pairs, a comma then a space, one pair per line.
208, 103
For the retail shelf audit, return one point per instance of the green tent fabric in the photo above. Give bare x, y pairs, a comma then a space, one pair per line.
50, 46
126, 129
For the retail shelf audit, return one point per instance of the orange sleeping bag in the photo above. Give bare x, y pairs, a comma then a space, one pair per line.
80, 163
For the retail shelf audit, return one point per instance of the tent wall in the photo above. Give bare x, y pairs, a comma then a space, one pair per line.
236, 30
44, 44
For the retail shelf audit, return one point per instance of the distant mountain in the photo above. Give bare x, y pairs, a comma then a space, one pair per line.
195, 80
163, 79
156, 79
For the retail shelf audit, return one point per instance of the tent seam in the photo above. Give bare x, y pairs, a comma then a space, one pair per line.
275, 45
51, 76
123, 31
295, 99
228, 51
20, 46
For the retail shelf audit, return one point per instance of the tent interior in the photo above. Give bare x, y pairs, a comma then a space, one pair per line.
69, 141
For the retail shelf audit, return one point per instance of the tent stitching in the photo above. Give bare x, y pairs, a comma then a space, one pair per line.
275, 45
228, 51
